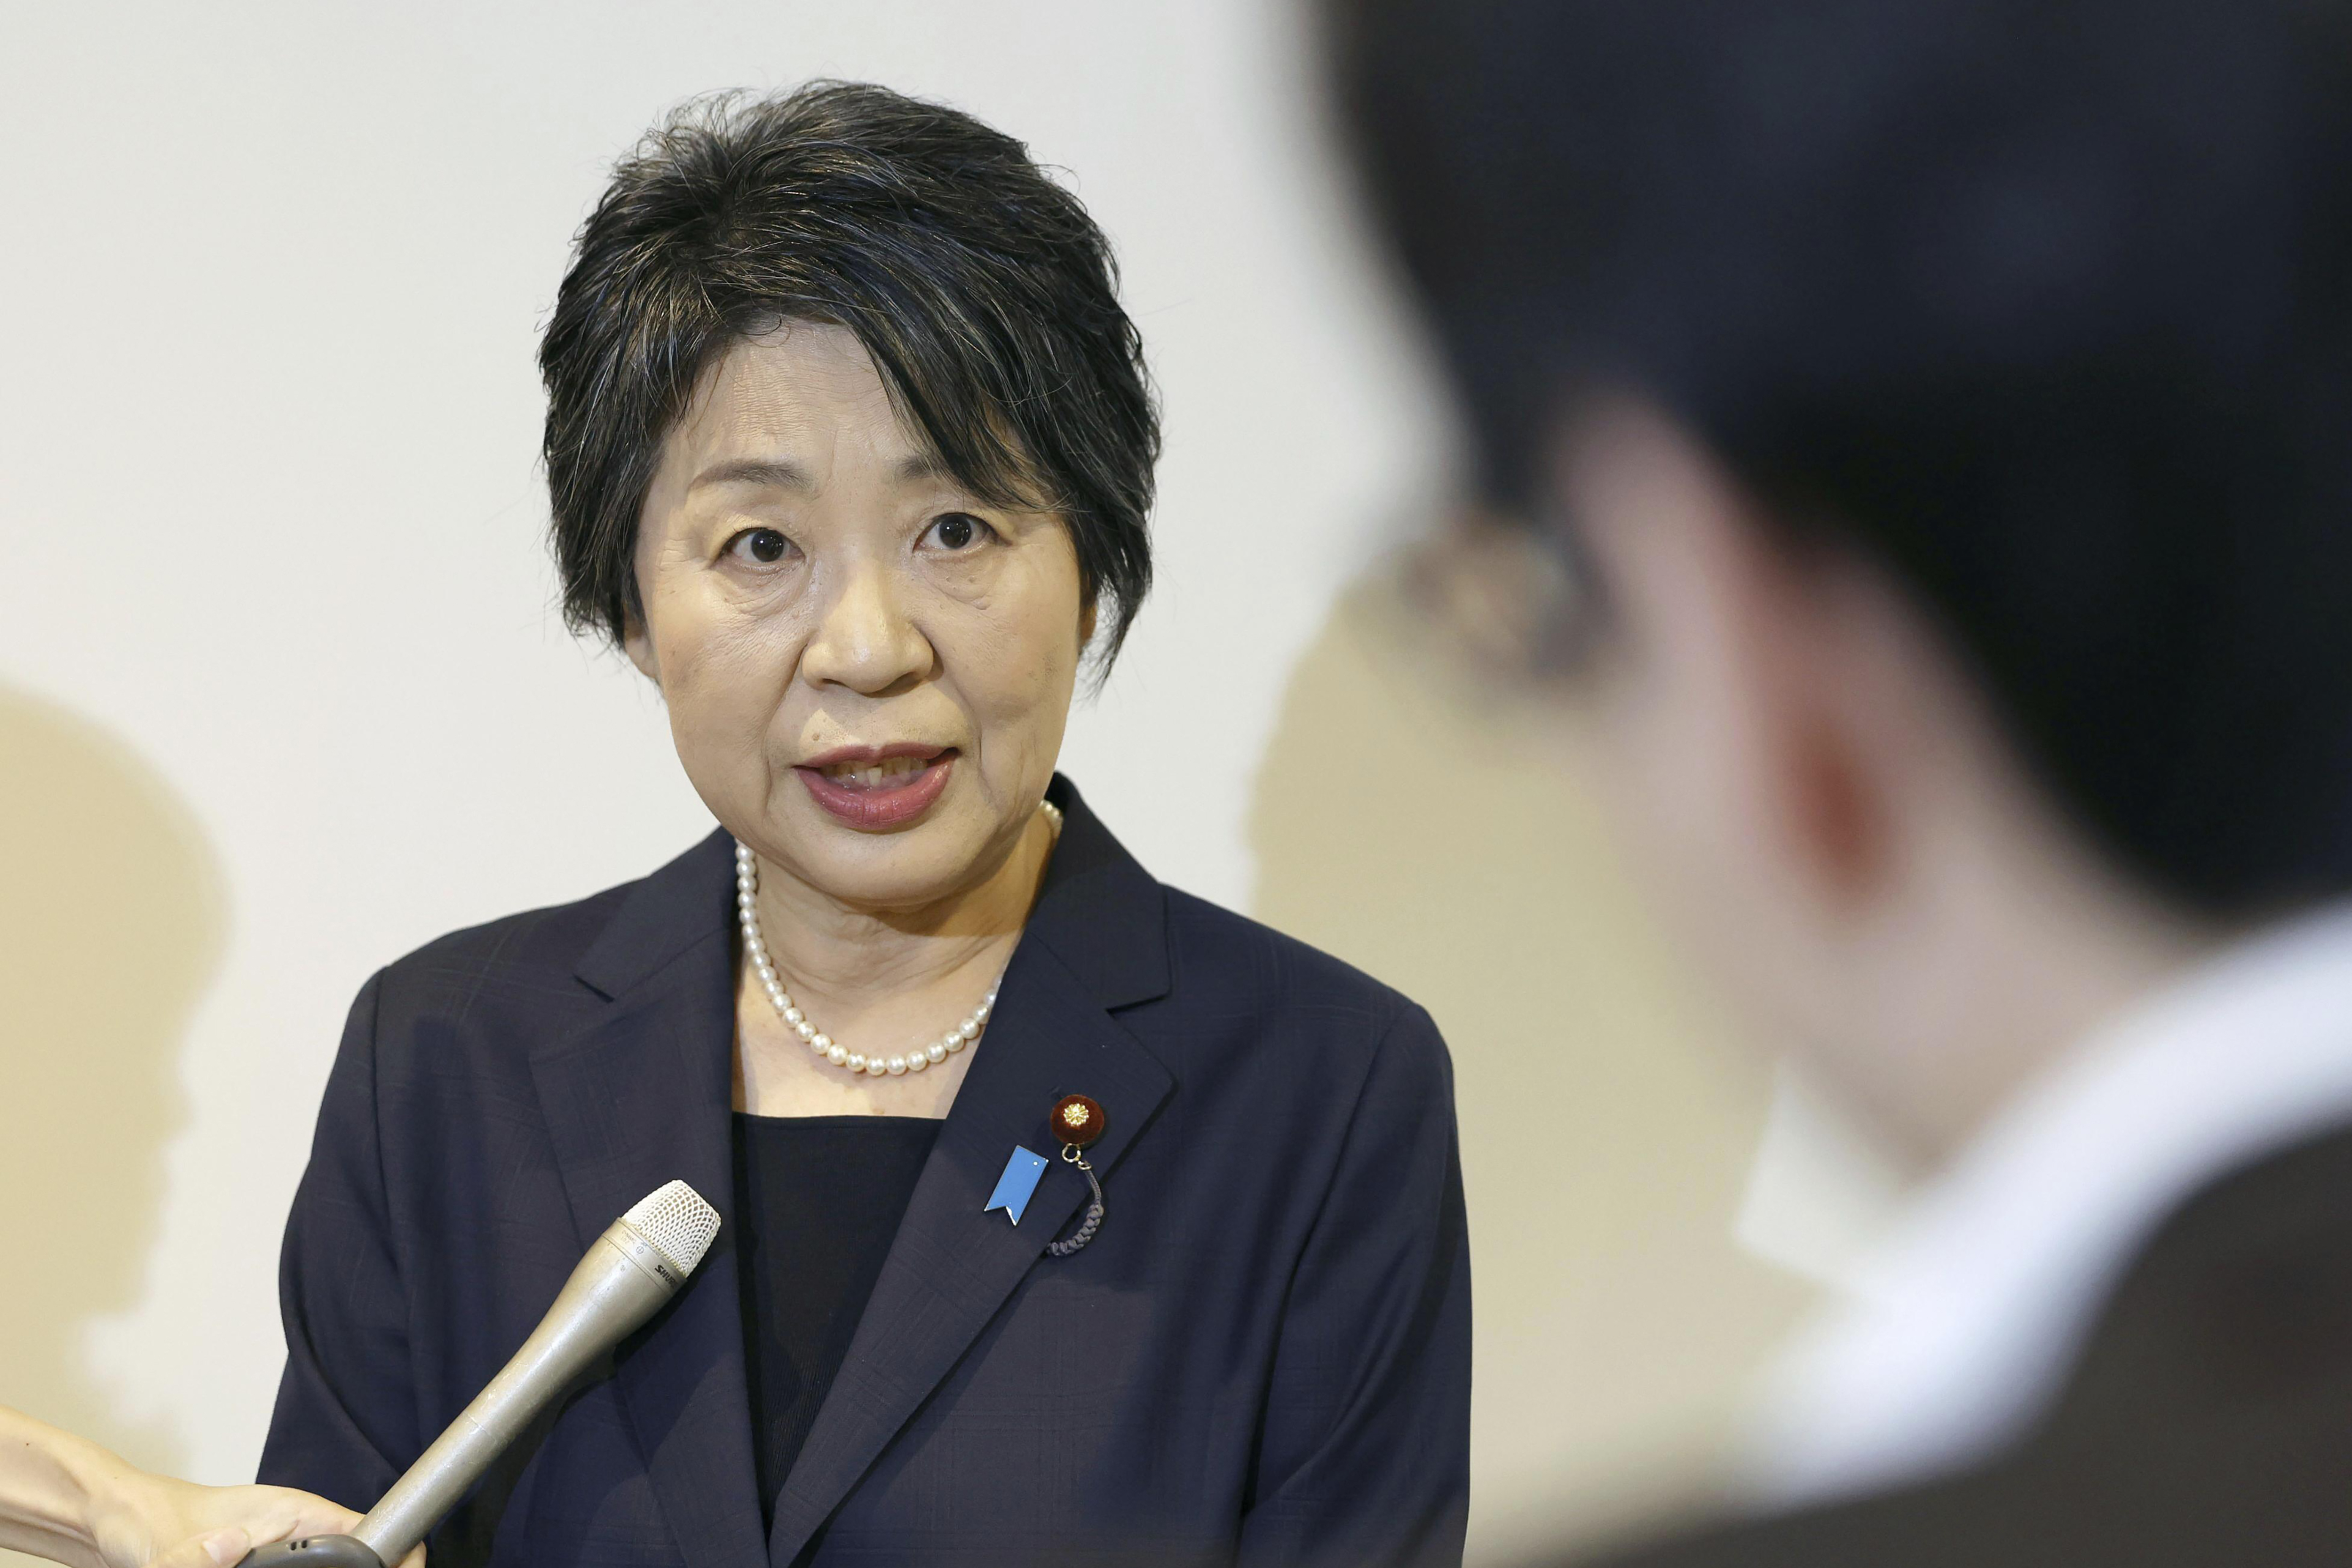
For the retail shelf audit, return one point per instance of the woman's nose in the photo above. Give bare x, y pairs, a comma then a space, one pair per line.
864, 639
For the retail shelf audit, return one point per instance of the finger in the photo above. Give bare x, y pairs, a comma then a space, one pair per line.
280, 1513
215, 1549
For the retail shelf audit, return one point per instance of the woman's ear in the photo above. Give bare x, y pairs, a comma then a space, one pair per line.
1086, 622
638, 644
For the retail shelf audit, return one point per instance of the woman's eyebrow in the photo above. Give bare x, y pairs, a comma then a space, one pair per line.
921, 467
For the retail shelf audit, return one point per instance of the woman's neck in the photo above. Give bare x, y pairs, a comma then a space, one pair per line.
844, 964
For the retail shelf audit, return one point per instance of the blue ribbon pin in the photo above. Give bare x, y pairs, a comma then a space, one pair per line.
1020, 1180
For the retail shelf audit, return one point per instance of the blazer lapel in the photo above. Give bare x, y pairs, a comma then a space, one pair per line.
640, 1096
1096, 941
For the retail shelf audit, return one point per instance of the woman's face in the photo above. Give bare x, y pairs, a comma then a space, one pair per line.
867, 670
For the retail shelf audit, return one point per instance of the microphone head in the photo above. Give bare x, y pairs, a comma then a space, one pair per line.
678, 1222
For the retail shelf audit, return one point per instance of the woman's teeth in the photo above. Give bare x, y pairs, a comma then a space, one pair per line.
874, 775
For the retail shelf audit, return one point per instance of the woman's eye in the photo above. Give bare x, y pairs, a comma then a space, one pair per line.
960, 530
764, 545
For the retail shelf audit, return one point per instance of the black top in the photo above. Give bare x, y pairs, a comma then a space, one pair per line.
817, 1201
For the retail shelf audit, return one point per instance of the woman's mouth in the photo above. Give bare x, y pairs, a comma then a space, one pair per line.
875, 788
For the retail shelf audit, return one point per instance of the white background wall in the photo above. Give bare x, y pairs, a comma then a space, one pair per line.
270, 511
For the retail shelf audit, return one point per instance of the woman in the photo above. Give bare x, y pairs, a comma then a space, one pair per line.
851, 449
69, 1501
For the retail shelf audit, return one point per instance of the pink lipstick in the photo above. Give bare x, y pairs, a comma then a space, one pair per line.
875, 788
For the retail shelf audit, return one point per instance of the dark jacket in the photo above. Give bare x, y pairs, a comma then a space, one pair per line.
2207, 1423
1263, 1358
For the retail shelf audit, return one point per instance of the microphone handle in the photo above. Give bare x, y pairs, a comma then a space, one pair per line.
622, 1281
312, 1552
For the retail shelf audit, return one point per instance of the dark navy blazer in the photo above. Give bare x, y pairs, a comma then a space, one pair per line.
1264, 1358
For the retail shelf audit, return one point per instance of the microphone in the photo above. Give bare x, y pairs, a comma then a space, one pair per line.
635, 1266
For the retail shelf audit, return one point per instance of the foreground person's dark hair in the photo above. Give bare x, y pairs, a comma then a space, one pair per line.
985, 295
2045, 305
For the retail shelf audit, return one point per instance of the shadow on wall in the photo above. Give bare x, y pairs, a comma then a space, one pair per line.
111, 917
1608, 1123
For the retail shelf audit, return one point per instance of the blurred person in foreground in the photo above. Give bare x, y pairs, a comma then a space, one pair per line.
69, 1501
1926, 434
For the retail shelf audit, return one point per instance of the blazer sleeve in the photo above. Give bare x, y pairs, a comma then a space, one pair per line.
345, 1423
1364, 1455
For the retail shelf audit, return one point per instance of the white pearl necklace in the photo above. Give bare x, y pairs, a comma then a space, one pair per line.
755, 947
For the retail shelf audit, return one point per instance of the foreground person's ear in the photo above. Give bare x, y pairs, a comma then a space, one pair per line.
1769, 648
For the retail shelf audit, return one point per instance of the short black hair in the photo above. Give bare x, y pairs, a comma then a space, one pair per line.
2045, 305
986, 296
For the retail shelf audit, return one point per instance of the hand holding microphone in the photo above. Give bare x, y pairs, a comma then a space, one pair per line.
68, 1499
628, 1273
213, 1527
